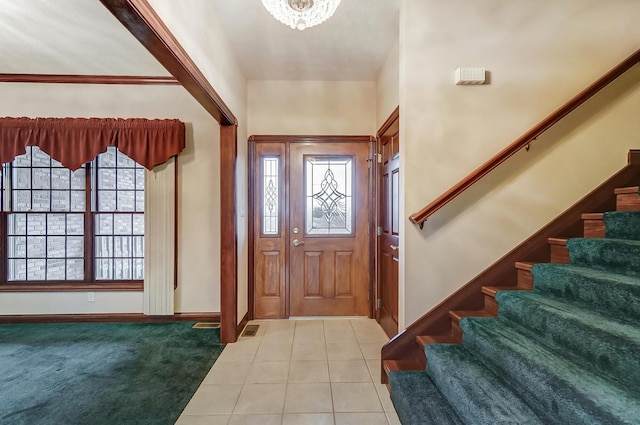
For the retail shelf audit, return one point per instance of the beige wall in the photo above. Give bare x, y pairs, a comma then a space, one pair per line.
388, 86
312, 107
195, 25
539, 54
198, 190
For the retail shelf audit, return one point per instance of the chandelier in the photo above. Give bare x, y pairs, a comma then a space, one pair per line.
301, 14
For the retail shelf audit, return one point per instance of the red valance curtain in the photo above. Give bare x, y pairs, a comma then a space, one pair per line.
76, 141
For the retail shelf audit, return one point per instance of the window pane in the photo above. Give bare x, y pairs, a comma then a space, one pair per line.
36, 224
104, 246
104, 271
78, 179
104, 224
270, 195
56, 224
124, 161
75, 269
22, 178
78, 200
106, 200
106, 179
123, 223
140, 178
60, 200
108, 158
21, 200
17, 270
126, 200
138, 224
122, 246
41, 178
139, 201
17, 247
75, 224
56, 247
126, 179
328, 191
138, 246
17, 224
123, 270
40, 159
138, 269
41, 200
36, 269
75, 247
23, 160
56, 269
36, 246
60, 178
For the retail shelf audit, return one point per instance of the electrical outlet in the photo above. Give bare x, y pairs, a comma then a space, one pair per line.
91, 296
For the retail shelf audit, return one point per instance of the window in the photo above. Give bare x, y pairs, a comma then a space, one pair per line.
72, 226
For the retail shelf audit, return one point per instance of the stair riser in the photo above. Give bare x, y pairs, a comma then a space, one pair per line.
628, 202
533, 381
594, 229
598, 294
525, 280
559, 254
490, 305
608, 354
605, 254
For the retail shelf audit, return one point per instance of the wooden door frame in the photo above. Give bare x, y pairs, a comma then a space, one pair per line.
384, 128
251, 209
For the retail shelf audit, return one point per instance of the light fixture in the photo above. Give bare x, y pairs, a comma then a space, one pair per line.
301, 14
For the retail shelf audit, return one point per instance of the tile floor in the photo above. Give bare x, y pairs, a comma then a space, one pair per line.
307, 372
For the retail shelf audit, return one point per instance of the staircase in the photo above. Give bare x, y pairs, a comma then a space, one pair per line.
561, 346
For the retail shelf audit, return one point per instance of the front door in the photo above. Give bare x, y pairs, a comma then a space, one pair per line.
311, 227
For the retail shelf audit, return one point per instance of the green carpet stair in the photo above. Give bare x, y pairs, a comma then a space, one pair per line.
566, 352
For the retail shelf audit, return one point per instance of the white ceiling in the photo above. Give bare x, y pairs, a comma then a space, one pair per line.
82, 37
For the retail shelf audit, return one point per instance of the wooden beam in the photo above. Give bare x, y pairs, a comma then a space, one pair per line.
228, 232
145, 24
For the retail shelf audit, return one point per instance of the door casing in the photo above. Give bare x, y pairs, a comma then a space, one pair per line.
253, 141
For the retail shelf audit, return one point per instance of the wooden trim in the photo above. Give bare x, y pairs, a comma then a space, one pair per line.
309, 139
503, 272
145, 24
87, 79
228, 232
70, 287
525, 140
114, 317
395, 116
176, 210
242, 324
251, 172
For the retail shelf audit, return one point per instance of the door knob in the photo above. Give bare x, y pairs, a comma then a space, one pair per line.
393, 247
296, 242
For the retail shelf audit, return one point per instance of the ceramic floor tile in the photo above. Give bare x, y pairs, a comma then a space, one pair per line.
355, 397
256, 420
213, 400
308, 398
349, 371
307, 419
332, 335
309, 371
278, 336
375, 369
312, 351
309, 324
260, 399
227, 373
203, 420
371, 350
307, 336
238, 352
392, 418
344, 352
385, 399
378, 336
361, 419
268, 373
269, 352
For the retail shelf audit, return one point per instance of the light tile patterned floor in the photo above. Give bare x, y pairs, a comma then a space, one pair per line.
297, 372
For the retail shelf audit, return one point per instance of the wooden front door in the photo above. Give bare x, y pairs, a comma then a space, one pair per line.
388, 225
311, 227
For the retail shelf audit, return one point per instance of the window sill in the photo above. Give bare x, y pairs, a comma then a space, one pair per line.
73, 287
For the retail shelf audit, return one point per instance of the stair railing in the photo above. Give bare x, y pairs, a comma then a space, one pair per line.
525, 140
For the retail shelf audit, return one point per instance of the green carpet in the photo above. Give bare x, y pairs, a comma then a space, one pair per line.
567, 352
101, 373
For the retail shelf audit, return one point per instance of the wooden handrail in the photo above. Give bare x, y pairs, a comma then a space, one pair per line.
525, 140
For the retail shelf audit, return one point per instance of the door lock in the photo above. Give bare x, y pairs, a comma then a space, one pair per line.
295, 230
296, 242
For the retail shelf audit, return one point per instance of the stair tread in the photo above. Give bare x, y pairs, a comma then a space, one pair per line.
395, 365
466, 378
524, 265
630, 189
592, 216
493, 290
557, 241
418, 401
618, 255
458, 314
525, 358
424, 340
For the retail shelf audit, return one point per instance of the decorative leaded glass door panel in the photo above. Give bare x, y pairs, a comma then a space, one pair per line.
329, 221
